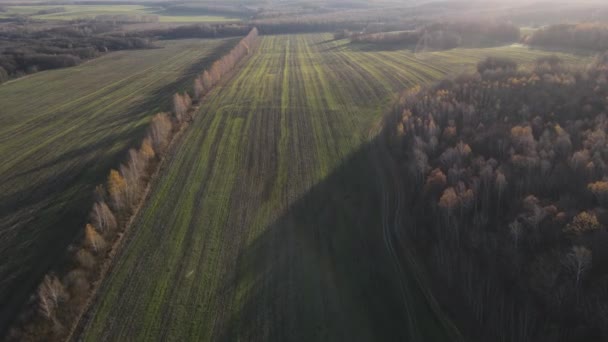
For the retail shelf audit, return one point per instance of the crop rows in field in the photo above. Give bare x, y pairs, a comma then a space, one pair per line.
60, 133
265, 223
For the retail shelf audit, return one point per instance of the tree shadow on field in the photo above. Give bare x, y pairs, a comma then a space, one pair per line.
39, 221
321, 271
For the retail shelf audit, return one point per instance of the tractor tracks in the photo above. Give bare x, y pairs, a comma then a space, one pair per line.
410, 277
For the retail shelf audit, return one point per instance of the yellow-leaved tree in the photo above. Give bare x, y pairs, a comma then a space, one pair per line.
116, 189
93, 240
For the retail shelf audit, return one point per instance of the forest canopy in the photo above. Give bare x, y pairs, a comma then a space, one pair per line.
507, 173
447, 35
589, 36
24, 51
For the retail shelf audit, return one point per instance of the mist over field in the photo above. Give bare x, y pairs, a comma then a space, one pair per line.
284, 170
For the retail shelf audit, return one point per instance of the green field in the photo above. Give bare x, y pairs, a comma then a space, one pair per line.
60, 133
90, 11
267, 220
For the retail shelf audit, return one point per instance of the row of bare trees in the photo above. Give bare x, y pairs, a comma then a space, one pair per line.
63, 294
507, 172
205, 81
209, 78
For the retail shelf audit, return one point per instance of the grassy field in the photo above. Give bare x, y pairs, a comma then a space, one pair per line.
60, 133
267, 221
90, 11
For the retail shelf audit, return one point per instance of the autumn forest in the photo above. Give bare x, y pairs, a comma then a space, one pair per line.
323, 170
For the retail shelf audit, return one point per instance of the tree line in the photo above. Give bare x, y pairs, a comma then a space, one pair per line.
299, 25
197, 31
65, 291
24, 52
446, 34
264, 27
127, 18
507, 175
234, 10
50, 11
588, 36
209, 78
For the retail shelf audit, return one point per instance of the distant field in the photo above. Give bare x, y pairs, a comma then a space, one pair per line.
60, 133
266, 223
90, 11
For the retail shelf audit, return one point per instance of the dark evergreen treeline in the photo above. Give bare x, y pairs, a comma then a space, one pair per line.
507, 180
588, 36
